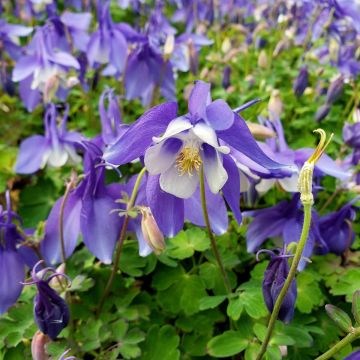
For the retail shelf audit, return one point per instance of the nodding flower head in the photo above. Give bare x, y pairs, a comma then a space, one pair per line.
274, 279
51, 312
306, 173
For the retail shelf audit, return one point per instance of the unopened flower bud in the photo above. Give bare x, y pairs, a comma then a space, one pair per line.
275, 106
38, 344
226, 77
260, 132
301, 82
263, 59
335, 89
151, 232
322, 112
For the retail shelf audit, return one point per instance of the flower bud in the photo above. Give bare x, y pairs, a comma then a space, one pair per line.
263, 59
226, 77
260, 132
151, 232
274, 279
301, 82
38, 344
322, 112
340, 317
275, 106
335, 89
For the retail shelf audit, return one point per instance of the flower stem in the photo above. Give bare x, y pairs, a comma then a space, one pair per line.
120, 243
289, 279
349, 338
211, 235
69, 187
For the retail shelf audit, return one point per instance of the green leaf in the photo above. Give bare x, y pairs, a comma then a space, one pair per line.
347, 283
210, 302
309, 293
185, 243
235, 308
161, 343
340, 317
227, 344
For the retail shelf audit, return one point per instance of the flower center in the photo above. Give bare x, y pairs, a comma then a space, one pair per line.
188, 160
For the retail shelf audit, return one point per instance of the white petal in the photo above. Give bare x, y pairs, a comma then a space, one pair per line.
181, 186
175, 126
215, 173
208, 136
159, 157
58, 157
290, 184
264, 185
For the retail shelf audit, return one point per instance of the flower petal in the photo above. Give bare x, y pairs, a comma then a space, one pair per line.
175, 127
216, 175
31, 154
219, 115
167, 209
50, 246
159, 157
198, 100
12, 272
216, 210
182, 186
24, 68
138, 138
240, 137
208, 136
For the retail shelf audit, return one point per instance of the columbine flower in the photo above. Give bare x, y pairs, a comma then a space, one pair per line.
336, 228
283, 220
274, 279
38, 346
51, 312
108, 45
55, 148
88, 210
175, 148
42, 66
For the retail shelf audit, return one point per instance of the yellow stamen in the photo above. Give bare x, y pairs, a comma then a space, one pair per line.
188, 161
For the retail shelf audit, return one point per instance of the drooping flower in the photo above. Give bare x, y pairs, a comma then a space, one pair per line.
88, 210
108, 45
55, 148
283, 220
274, 279
51, 312
42, 69
175, 149
336, 228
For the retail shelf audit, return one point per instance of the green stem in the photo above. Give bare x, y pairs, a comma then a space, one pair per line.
120, 244
289, 279
349, 338
211, 235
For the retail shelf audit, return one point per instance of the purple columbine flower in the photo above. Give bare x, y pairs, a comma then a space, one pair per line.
336, 228
88, 210
55, 148
51, 312
274, 279
108, 45
283, 220
175, 147
43, 69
